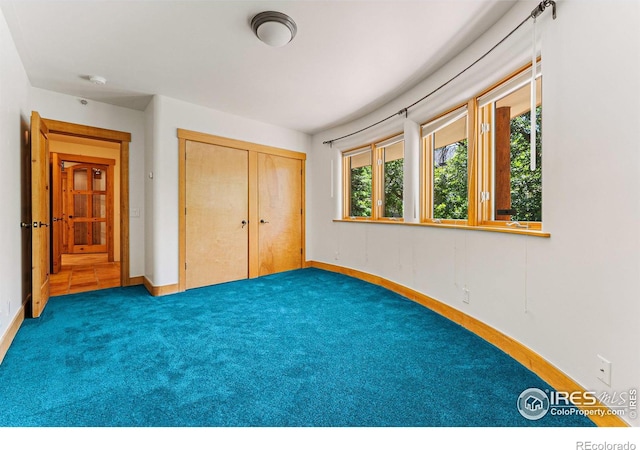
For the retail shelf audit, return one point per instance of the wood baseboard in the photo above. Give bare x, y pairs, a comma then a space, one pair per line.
158, 291
136, 281
524, 355
7, 338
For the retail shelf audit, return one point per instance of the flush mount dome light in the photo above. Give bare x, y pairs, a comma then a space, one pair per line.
95, 79
274, 28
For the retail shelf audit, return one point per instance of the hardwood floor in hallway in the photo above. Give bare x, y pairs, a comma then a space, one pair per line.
82, 273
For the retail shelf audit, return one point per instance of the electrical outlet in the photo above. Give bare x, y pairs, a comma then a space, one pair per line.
604, 370
465, 295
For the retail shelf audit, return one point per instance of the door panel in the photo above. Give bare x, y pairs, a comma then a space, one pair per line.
40, 214
280, 214
89, 196
216, 189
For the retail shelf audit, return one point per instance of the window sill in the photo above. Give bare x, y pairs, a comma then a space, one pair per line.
494, 229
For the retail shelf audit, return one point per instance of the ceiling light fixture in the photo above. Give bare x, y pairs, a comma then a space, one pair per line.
95, 79
274, 28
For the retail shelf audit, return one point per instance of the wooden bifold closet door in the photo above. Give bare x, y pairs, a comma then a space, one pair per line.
243, 213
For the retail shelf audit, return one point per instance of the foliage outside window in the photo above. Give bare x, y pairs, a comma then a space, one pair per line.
476, 165
392, 158
359, 184
512, 189
446, 157
526, 184
374, 180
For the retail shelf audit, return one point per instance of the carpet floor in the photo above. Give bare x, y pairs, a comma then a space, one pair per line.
306, 348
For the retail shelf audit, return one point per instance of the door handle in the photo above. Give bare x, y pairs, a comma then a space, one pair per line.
263, 221
25, 225
40, 224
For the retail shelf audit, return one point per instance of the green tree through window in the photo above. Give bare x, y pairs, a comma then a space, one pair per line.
450, 190
526, 185
360, 192
393, 187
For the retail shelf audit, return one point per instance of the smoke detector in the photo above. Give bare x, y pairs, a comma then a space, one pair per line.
95, 79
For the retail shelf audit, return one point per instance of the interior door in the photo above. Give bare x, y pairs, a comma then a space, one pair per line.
40, 197
56, 207
217, 196
280, 214
89, 203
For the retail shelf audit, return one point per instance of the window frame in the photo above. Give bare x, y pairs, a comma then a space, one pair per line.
377, 149
346, 181
480, 166
426, 165
380, 162
486, 171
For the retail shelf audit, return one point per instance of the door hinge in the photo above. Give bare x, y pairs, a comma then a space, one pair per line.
185, 266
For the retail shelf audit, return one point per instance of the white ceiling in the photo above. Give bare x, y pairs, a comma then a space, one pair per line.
348, 58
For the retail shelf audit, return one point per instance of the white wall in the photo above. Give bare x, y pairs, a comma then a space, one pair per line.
14, 119
53, 105
572, 296
167, 116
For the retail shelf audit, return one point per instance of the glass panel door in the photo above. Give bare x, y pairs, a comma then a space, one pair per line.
89, 197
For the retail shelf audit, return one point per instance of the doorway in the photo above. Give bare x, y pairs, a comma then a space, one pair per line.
49, 131
85, 194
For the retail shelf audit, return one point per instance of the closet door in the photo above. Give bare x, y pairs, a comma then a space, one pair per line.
279, 213
217, 239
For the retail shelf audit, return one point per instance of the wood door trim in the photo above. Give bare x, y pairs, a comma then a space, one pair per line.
57, 207
73, 129
85, 131
110, 163
86, 159
254, 260
241, 145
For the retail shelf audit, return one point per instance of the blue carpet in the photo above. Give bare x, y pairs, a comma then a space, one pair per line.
296, 349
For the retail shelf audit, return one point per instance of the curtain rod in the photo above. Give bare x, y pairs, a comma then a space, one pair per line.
537, 11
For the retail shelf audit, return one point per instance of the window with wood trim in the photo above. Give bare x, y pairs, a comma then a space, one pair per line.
358, 183
373, 181
510, 181
390, 156
446, 159
477, 169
